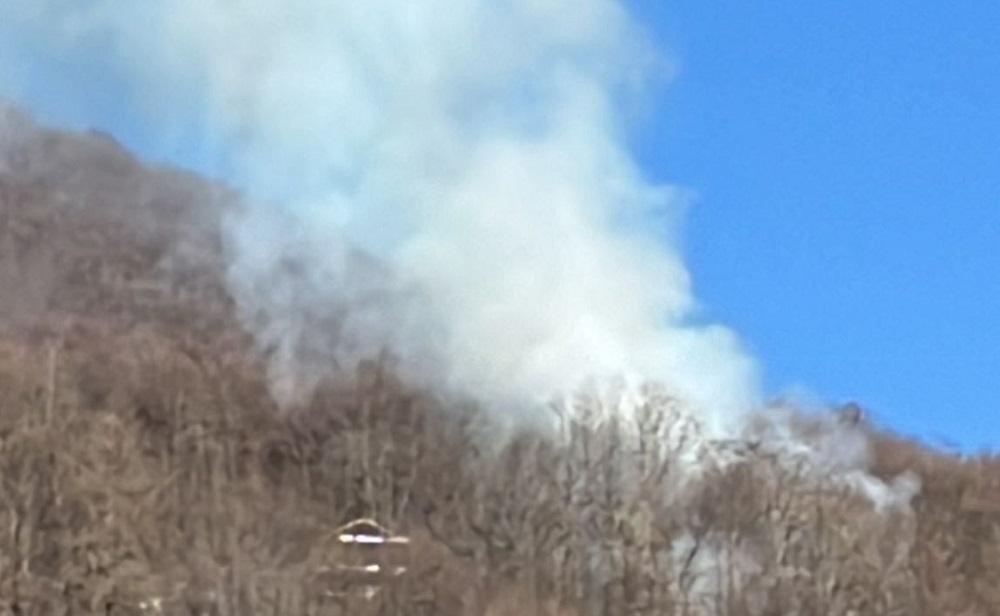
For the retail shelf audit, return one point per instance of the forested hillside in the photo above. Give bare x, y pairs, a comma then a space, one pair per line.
146, 469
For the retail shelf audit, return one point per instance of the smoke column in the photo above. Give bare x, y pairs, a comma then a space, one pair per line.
475, 148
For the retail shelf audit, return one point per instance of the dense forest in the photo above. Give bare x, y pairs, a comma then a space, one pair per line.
146, 469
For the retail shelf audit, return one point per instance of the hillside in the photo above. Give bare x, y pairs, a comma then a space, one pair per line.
145, 468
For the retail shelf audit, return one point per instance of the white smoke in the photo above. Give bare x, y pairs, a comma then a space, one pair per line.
477, 148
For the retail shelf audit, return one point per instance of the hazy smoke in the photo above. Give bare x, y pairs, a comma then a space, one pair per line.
476, 147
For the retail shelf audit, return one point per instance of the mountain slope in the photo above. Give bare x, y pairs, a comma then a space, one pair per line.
145, 468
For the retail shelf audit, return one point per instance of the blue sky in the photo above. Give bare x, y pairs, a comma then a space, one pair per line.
846, 158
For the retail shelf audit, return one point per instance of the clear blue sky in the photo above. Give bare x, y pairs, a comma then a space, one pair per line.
847, 161
847, 157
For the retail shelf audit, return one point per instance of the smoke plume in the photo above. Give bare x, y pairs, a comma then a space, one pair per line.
449, 179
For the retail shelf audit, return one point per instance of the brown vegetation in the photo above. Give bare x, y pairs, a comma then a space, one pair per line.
144, 468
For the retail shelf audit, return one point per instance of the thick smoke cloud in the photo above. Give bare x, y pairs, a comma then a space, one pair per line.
476, 148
